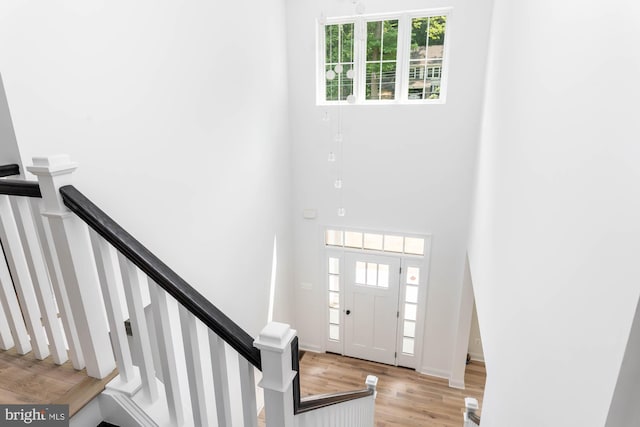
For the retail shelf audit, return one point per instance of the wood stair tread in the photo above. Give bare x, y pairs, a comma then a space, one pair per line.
26, 380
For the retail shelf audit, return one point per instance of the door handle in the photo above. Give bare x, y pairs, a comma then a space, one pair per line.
348, 312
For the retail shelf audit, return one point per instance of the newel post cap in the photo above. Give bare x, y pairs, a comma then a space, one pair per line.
471, 403
58, 164
275, 337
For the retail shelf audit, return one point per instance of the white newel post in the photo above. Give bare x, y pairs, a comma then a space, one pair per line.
274, 343
77, 264
470, 408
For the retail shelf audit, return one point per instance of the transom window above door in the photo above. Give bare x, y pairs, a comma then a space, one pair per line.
392, 58
395, 243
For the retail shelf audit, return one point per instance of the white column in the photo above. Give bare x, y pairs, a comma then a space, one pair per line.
274, 343
77, 264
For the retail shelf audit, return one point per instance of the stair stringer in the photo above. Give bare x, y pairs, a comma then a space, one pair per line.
133, 409
120, 409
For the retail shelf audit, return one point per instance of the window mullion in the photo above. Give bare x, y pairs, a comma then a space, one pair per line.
321, 92
361, 60
404, 56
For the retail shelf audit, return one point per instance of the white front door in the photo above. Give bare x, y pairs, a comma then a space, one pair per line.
371, 307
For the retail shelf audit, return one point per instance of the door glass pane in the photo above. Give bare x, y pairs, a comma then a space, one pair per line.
410, 311
353, 239
334, 266
407, 345
372, 274
333, 237
334, 316
409, 329
334, 282
361, 273
334, 332
411, 294
383, 275
393, 243
414, 245
413, 276
334, 300
373, 241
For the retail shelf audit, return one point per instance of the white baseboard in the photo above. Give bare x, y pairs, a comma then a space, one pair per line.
478, 357
432, 372
456, 384
309, 347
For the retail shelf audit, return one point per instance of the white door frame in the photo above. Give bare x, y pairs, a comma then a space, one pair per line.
422, 262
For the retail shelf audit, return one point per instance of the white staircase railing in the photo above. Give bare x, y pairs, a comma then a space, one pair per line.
358, 412
184, 359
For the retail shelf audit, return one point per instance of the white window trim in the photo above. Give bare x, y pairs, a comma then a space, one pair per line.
402, 68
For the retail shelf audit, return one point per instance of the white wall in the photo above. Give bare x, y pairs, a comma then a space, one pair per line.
465, 311
406, 168
556, 237
475, 340
177, 115
624, 409
9, 153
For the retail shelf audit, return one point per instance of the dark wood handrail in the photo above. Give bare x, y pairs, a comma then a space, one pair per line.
175, 285
311, 403
9, 170
159, 272
16, 187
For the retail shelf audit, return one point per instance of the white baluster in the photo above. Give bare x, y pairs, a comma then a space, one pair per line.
194, 367
160, 307
274, 343
132, 279
108, 270
12, 311
77, 264
42, 287
51, 258
6, 340
248, 391
220, 378
17, 263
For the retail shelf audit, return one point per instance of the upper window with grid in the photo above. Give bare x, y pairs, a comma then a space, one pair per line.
397, 58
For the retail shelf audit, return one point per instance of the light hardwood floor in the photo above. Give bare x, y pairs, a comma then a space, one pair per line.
26, 380
405, 398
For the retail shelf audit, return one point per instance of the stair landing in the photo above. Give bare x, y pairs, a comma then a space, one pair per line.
26, 380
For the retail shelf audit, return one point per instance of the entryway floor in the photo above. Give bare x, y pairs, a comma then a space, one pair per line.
405, 398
